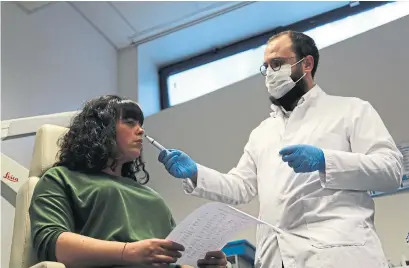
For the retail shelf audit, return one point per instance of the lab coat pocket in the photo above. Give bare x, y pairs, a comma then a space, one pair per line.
331, 223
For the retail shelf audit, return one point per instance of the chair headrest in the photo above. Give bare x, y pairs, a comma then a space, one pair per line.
45, 149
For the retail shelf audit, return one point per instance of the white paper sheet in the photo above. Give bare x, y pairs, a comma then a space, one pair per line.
209, 228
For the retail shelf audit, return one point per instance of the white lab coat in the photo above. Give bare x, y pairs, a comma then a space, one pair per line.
328, 218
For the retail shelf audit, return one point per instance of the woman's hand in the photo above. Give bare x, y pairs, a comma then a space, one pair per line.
155, 252
213, 259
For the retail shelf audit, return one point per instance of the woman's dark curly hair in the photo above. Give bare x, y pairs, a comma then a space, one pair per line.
91, 139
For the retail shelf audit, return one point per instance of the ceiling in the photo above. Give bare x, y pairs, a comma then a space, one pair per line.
241, 23
126, 22
168, 31
123, 23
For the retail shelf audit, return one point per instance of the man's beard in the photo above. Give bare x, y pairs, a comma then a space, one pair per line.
289, 101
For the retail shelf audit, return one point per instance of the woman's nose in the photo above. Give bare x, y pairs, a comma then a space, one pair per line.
139, 130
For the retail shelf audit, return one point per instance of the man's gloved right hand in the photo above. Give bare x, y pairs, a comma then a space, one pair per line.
178, 163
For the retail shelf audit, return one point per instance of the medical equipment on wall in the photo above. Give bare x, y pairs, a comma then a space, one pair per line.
15, 128
13, 173
240, 254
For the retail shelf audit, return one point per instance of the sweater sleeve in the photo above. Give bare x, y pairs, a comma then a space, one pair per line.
50, 215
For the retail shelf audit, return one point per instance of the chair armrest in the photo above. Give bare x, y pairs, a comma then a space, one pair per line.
48, 264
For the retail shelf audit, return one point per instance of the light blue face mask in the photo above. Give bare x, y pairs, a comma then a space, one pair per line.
279, 82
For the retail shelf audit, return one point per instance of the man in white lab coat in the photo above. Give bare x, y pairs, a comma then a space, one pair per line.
311, 163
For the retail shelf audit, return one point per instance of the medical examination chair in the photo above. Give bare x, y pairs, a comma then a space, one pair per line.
44, 156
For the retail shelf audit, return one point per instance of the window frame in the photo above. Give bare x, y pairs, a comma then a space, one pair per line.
253, 42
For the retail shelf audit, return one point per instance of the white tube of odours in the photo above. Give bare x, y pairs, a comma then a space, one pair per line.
155, 143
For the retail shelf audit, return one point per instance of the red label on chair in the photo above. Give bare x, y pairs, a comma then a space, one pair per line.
10, 177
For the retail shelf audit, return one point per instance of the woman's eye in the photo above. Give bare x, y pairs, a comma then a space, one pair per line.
131, 122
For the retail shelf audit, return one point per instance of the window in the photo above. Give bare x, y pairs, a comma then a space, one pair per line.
351, 26
182, 85
213, 76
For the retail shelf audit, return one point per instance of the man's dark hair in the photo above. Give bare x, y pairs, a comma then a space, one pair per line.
303, 45
91, 139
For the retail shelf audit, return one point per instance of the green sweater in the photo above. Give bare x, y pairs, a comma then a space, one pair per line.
100, 206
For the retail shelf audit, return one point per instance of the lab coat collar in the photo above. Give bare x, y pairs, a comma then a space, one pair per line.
312, 94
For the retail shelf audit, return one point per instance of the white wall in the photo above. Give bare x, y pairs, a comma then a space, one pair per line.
214, 128
148, 80
392, 224
138, 77
128, 73
52, 61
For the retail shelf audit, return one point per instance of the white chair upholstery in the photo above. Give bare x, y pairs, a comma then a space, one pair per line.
44, 156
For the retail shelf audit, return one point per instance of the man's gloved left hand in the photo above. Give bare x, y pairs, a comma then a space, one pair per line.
304, 158
178, 163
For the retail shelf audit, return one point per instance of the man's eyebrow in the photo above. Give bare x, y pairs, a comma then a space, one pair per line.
277, 58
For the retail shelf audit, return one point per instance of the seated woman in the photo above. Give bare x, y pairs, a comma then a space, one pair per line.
92, 209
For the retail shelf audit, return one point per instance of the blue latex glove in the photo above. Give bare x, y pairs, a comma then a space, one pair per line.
178, 163
304, 158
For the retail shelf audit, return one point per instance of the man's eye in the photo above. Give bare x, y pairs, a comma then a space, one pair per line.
277, 63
